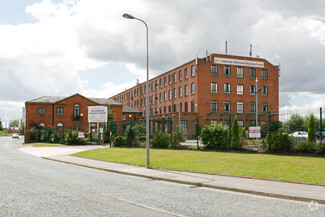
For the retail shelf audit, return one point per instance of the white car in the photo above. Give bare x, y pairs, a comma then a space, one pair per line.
15, 135
299, 134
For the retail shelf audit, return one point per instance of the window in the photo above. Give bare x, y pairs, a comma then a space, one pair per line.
165, 96
252, 107
186, 90
185, 73
59, 111
152, 86
227, 71
169, 108
170, 94
180, 107
41, 111
192, 88
183, 125
252, 73
59, 125
264, 91
156, 86
241, 125
123, 117
227, 88
169, 79
252, 90
174, 108
240, 107
227, 106
186, 107
214, 106
175, 93
41, 125
165, 81
240, 89
160, 98
214, 88
164, 109
141, 89
160, 110
180, 75
192, 70
264, 74
214, 70
156, 100
76, 112
240, 72
180, 91
192, 106
264, 107
252, 123
214, 122
175, 77
160, 83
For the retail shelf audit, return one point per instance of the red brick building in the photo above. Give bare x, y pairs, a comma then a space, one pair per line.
210, 87
72, 111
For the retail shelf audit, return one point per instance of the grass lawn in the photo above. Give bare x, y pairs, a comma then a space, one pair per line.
286, 168
46, 144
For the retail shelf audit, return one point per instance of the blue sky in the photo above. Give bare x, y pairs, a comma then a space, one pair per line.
62, 47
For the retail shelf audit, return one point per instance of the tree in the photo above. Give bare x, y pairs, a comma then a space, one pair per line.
22, 128
14, 123
0, 125
311, 129
296, 123
235, 140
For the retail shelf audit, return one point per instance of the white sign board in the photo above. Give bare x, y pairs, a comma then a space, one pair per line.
81, 135
254, 132
237, 62
97, 114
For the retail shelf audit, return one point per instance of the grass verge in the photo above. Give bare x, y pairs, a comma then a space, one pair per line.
285, 168
46, 144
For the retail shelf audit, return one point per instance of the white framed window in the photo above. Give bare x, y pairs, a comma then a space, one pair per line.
252, 107
214, 70
240, 72
186, 90
227, 88
227, 71
264, 74
192, 71
175, 93
180, 91
264, 107
170, 94
240, 89
252, 73
214, 88
252, 90
264, 91
192, 88
214, 106
240, 107
227, 106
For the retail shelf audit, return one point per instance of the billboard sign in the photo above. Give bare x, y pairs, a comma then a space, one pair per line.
97, 114
237, 62
254, 132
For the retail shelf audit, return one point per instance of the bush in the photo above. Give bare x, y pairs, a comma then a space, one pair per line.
279, 142
178, 137
235, 140
320, 149
311, 129
54, 137
160, 140
305, 148
72, 138
215, 136
119, 141
142, 138
131, 136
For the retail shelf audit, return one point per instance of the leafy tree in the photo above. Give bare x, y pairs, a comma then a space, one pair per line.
14, 123
296, 123
311, 129
22, 128
235, 140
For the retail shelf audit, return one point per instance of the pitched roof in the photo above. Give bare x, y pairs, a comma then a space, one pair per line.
54, 99
128, 109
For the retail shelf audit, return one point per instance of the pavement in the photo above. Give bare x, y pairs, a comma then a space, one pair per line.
278, 189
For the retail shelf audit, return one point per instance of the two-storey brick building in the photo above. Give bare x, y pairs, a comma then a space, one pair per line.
210, 87
72, 111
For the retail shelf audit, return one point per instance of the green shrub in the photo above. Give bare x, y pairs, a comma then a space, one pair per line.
178, 137
33, 135
235, 140
215, 136
72, 138
243, 133
142, 138
160, 140
278, 142
54, 137
320, 148
119, 141
131, 136
311, 129
304, 148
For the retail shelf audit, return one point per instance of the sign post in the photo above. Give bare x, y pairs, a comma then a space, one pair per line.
98, 114
255, 132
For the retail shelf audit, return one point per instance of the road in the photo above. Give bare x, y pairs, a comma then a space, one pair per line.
32, 186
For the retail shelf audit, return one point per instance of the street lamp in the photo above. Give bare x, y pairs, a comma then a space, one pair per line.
129, 16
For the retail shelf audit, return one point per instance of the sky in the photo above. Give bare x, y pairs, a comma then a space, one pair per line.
63, 47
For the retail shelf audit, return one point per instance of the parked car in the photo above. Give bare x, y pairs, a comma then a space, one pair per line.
299, 134
318, 135
15, 135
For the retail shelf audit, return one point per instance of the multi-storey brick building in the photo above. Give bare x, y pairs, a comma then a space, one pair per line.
210, 87
72, 111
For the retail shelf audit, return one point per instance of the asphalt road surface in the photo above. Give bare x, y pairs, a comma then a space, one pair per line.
32, 186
